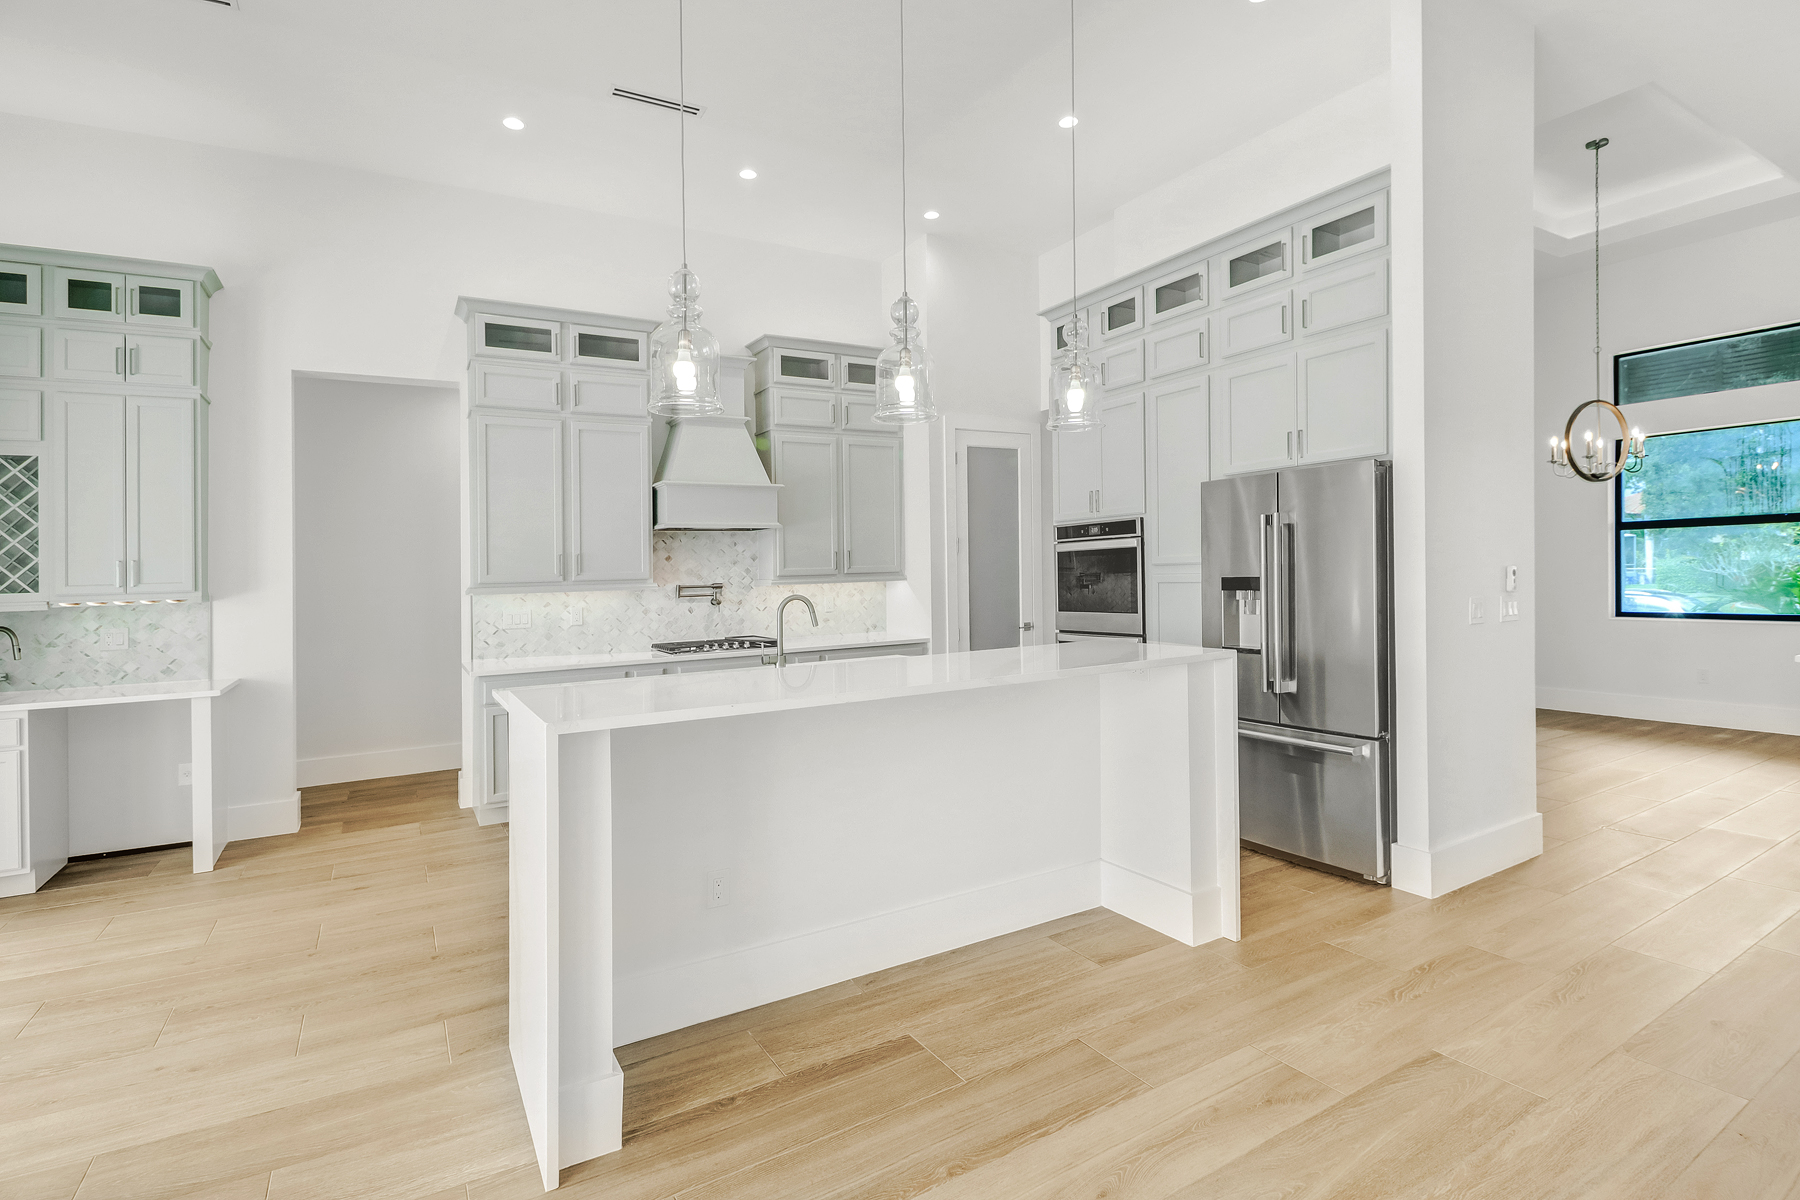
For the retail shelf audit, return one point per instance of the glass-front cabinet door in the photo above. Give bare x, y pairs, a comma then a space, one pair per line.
1179, 292
1346, 230
859, 373
21, 287
607, 347
805, 366
1256, 263
1123, 313
152, 301
87, 295
517, 337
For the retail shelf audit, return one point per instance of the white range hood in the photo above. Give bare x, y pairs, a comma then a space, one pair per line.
711, 478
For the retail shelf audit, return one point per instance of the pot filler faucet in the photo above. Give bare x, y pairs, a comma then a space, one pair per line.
17, 652
781, 625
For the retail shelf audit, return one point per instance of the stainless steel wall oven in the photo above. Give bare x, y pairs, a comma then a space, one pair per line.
1100, 578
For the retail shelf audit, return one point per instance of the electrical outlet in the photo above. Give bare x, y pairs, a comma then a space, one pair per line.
718, 889
576, 614
1509, 608
1477, 611
520, 619
115, 638
1512, 579
184, 775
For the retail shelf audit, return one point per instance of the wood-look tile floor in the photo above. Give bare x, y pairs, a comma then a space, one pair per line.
325, 1016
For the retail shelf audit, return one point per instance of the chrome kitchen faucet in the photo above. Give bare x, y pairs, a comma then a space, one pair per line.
781, 625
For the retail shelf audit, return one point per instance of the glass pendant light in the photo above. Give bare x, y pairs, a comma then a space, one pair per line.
684, 356
902, 372
1073, 404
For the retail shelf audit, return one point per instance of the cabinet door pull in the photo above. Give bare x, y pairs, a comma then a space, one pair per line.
116, 291
119, 360
1306, 247
1290, 448
137, 572
1305, 314
578, 563
1300, 442
131, 361
119, 573
1284, 327
559, 562
847, 554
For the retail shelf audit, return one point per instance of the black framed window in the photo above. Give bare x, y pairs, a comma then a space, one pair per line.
1719, 364
1710, 527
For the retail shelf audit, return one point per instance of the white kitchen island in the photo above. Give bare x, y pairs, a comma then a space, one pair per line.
687, 846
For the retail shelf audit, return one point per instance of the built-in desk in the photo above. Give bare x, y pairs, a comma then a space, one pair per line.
687, 846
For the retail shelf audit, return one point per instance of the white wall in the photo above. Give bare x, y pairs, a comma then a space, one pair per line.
331, 270
1587, 659
376, 565
1462, 232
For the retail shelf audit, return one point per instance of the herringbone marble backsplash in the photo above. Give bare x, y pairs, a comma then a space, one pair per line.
614, 622
63, 647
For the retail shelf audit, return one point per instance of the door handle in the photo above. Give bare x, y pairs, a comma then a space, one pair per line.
119, 361
1299, 444
119, 573
1305, 313
1277, 651
116, 291
1306, 247
1284, 327
1290, 445
131, 361
137, 572
134, 302
1028, 626
1256, 735
559, 562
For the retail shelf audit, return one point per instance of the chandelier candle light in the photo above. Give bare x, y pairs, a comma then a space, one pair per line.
1602, 458
902, 373
1071, 374
684, 356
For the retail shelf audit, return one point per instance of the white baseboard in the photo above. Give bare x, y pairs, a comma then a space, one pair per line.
1432, 873
378, 764
590, 1116
490, 814
1719, 714
1188, 917
676, 997
267, 818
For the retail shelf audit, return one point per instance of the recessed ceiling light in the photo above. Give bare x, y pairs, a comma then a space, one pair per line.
931, 214
746, 173
513, 123
1070, 121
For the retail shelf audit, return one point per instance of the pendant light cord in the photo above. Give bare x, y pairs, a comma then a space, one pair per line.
1596, 144
905, 293
681, 69
1074, 286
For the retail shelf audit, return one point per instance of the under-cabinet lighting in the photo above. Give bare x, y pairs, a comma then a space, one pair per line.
513, 123
1070, 121
931, 214
747, 173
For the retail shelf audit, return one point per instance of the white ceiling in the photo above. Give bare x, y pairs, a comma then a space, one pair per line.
804, 91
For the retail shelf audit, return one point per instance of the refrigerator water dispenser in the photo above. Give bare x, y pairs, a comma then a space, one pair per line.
1240, 612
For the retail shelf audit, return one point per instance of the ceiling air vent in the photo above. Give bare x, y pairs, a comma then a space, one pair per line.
657, 101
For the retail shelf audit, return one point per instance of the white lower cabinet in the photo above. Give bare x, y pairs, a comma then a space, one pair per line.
609, 501
1344, 398
34, 799
872, 521
13, 856
518, 499
1100, 472
128, 503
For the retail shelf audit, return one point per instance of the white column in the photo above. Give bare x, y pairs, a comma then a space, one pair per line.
209, 808
1464, 444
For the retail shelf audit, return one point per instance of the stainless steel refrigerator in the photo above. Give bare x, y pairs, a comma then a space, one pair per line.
1298, 582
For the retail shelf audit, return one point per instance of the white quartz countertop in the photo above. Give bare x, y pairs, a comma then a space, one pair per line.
632, 658
121, 693
663, 699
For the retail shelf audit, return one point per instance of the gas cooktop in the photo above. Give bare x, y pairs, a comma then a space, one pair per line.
708, 645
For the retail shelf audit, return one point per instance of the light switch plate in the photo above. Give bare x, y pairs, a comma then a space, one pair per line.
1477, 611
114, 638
1509, 608
519, 620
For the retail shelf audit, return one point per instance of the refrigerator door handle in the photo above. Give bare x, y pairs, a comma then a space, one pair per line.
1278, 617
1324, 747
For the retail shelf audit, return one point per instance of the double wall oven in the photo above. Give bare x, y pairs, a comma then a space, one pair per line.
1100, 580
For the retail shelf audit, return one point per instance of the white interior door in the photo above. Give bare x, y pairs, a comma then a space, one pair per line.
998, 536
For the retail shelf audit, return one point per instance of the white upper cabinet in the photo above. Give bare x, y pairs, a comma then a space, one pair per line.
159, 495
1122, 313
1077, 473
87, 295
1177, 294
1122, 456
1255, 264
1352, 294
1256, 324
792, 406
21, 350
609, 502
1344, 397
1253, 416
1121, 364
859, 373
517, 337
90, 354
518, 496
21, 415
872, 518
160, 361
595, 345
806, 467
609, 393
503, 385
1345, 231
90, 448
858, 415
21, 288
153, 301
1175, 348
1180, 436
